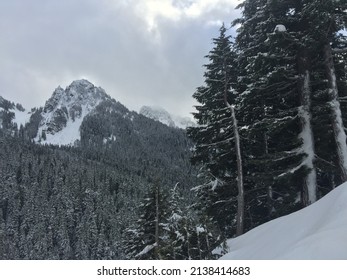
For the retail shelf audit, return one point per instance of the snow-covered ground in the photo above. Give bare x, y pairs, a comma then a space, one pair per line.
315, 232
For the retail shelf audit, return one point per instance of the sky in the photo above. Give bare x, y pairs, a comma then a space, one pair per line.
142, 52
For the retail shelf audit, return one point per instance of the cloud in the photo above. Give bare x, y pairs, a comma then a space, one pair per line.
152, 10
142, 52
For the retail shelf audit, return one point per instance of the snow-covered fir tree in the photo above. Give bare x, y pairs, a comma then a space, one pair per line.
188, 235
214, 137
145, 240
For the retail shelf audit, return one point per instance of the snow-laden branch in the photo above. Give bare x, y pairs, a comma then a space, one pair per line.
217, 143
339, 51
146, 250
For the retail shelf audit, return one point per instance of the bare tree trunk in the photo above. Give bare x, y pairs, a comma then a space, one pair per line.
241, 195
268, 185
336, 116
310, 188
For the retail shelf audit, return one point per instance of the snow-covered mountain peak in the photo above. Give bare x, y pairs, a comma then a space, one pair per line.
65, 110
80, 92
157, 114
85, 88
160, 114
82, 83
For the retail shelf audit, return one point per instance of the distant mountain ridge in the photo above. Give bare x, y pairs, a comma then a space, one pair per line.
160, 114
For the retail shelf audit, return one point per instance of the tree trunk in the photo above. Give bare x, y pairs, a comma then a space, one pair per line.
268, 185
188, 242
241, 195
310, 188
336, 116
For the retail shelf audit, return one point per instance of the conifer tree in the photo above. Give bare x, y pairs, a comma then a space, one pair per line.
187, 235
214, 137
145, 240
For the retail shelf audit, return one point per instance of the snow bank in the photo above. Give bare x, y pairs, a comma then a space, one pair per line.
318, 231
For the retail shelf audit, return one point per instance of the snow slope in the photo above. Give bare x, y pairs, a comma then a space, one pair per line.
67, 136
318, 231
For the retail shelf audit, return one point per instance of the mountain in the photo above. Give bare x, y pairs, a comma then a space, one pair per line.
65, 111
316, 232
161, 115
59, 121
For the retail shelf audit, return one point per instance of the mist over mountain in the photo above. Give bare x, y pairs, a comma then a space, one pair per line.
161, 115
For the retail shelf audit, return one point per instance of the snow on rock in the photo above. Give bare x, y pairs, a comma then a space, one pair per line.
316, 232
67, 135
159, 114
280, 28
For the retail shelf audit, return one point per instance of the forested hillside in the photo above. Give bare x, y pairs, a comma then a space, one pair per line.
75, 202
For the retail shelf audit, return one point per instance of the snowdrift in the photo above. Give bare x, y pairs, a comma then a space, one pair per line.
315, 232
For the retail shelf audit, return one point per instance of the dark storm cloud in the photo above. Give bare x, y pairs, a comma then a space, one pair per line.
46, 43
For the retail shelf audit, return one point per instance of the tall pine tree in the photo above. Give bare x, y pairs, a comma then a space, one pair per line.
216, 146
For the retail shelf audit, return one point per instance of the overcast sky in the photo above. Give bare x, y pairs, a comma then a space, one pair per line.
142, 52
